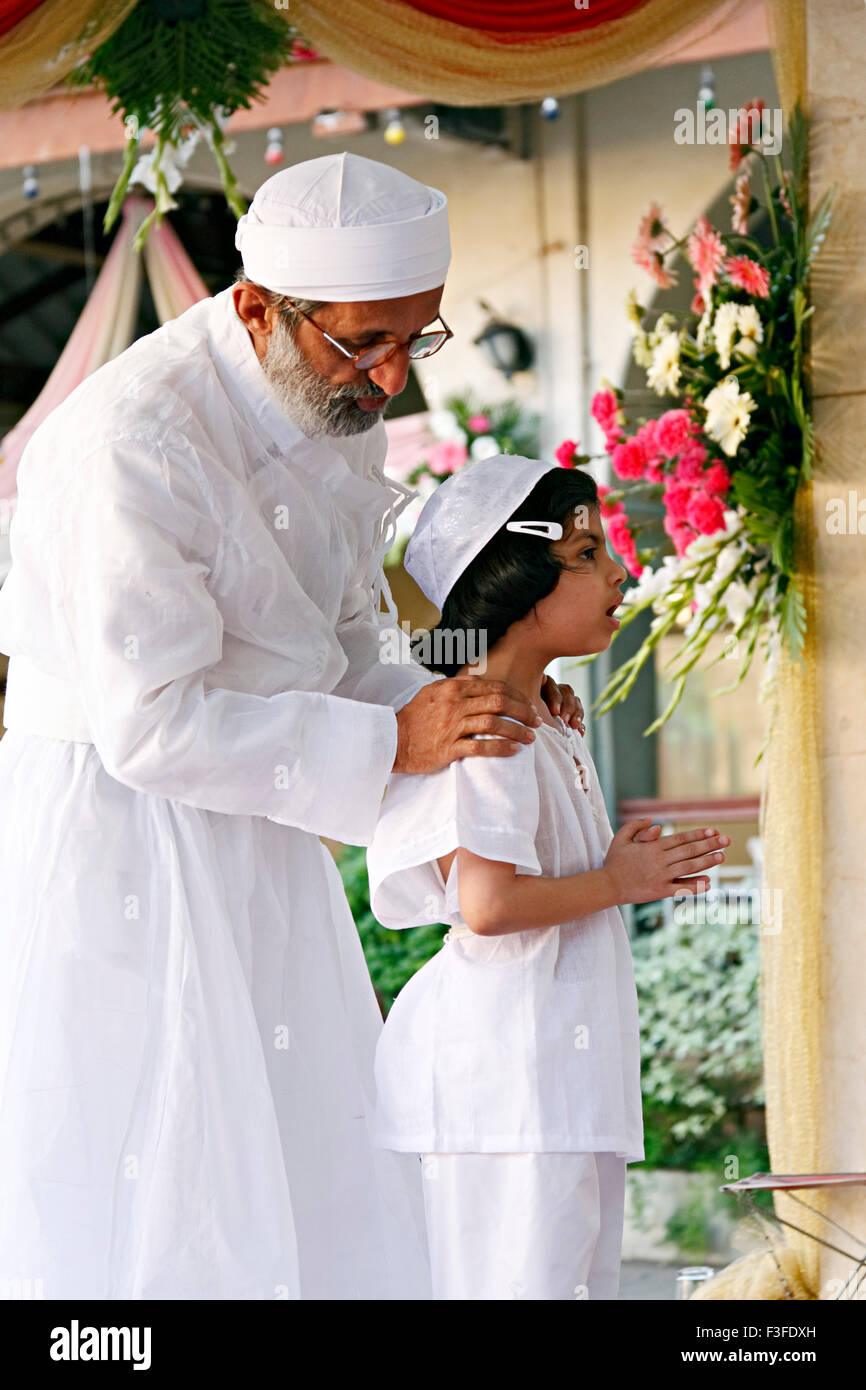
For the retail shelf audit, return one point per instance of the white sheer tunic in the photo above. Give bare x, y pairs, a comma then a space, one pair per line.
526, 1042
195, 694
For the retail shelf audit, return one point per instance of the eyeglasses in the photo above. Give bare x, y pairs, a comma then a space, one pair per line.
419, 344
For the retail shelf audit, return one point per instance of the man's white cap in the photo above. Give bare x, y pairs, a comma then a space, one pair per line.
463, 514
345, 228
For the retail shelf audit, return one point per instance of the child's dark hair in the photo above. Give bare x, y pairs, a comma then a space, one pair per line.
511, 573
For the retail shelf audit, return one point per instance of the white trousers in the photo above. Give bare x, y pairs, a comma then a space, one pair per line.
530, 1225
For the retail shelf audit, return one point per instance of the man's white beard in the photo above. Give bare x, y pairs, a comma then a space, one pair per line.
307, 397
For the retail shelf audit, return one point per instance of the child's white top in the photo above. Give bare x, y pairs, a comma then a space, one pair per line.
515, 1043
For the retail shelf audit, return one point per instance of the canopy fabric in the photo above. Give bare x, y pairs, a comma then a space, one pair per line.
477, 51
41, 42
106, 325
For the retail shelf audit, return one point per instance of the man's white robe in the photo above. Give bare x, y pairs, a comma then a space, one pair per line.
195, 694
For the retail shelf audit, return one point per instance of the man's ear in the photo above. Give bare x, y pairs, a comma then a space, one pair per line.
251, 308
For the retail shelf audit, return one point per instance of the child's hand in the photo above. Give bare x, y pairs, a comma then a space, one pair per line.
645, 865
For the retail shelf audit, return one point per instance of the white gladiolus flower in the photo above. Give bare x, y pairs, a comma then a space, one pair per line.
728, 410
484, 447
664, 372
651, 582
738, 599
729, 557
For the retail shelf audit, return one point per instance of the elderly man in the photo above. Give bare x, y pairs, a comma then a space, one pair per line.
195, 695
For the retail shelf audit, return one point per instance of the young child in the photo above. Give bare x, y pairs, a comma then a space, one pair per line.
510, 1062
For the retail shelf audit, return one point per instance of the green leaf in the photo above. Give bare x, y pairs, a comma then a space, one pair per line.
816, 230
793, 621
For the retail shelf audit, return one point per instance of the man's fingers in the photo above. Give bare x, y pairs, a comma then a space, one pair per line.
495, 697
485, 748
494, 724
553, 694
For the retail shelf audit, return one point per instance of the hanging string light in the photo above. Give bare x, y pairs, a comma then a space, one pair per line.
274, 151
29, 184
395, 131
707, 88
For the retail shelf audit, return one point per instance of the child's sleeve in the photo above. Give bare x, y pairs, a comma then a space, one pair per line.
486, 805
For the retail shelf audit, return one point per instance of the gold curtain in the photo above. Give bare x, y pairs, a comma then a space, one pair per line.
391, 42
791, 829
39, 52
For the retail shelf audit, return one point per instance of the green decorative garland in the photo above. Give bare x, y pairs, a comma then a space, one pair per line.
178, 67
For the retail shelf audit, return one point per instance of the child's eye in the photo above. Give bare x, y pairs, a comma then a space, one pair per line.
589, 551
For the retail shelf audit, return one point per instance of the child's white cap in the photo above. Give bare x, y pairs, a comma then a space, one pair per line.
463, 514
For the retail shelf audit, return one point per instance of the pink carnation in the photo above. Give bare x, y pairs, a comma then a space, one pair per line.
747, 275
622, 541
676, 498
674, 432
606, 508
717, 479
566, 452
628, 460
605, 411
699, 304
690, 467
448, 456
705, 513
681, 535
479, 424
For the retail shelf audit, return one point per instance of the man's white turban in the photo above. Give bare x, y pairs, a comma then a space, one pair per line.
345, 228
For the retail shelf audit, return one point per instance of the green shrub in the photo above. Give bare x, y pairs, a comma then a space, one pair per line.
701, 1063
392, 956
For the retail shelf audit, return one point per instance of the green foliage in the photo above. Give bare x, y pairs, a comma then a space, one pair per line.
177, 65
700, 1028
170, 63
392, 956
512, 426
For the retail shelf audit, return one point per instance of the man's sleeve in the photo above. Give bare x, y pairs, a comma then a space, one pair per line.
144, 632
381, 670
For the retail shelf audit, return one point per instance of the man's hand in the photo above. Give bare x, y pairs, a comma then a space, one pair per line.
645, 866
561, 700
435, 726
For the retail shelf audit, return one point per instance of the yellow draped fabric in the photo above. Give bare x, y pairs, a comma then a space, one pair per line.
791, 828
389, 41
46, 45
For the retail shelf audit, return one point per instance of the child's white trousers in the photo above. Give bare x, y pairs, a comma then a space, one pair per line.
529, 1225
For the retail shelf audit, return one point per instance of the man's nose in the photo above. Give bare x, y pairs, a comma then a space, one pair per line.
392, 375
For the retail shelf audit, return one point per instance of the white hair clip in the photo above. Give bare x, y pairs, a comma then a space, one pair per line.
551, 529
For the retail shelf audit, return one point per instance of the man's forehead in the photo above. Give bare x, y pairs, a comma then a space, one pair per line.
381, 315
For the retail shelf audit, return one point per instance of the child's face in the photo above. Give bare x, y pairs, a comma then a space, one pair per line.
573, 620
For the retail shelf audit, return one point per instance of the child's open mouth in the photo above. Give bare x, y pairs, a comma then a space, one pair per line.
610, 614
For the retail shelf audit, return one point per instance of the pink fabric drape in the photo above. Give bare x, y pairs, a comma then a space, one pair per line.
106, 325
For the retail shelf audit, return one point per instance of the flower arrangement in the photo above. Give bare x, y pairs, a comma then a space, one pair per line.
726, 460
464, 431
